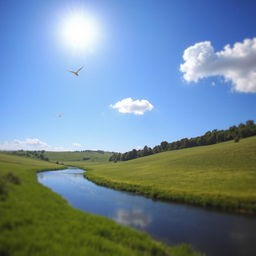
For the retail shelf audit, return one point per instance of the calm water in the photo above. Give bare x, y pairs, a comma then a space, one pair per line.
209, 232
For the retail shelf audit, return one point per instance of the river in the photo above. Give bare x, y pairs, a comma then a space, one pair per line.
210, 232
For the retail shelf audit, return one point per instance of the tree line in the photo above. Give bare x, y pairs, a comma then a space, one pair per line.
39, 154
211, 137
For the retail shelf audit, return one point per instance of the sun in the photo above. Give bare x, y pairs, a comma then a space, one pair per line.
79, 31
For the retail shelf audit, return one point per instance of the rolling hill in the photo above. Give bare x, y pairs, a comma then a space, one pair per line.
92, 156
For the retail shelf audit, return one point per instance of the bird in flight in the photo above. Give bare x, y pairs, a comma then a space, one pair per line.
76, 72
59, 115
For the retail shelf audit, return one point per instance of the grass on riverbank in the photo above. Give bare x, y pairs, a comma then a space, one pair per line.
35, 221
221, 175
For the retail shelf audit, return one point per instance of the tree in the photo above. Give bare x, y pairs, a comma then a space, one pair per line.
156, 149
220, 137
118, 157
233, 131
147, 151
249, 123
184, 143
237, 139
134, 154
164, 145
113, 157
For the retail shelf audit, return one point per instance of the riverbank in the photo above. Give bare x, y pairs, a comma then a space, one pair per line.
36, 221
203, 200
220, 176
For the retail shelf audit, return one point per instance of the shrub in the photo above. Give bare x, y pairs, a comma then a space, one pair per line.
10, 177
237, 139
3, 188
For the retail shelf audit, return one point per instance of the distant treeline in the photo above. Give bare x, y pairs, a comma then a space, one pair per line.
92, 151
211, 137
39, 154
95, 151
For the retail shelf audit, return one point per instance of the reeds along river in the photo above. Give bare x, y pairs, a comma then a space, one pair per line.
212, 233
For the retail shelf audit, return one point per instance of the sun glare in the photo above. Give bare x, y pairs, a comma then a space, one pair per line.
79, 32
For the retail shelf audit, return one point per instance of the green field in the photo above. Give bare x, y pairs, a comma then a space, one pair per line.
77, 156
34, 221
221, 175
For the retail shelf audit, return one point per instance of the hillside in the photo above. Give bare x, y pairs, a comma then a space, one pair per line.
243, 130
92, 156
53, 156
221, 175
36, 221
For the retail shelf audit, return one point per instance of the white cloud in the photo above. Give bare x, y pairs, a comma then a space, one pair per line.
137, 107
236, 64
134, 217
77, 145
29, 144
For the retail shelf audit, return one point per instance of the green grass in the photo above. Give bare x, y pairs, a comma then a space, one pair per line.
77, 156
221, 175
36, 221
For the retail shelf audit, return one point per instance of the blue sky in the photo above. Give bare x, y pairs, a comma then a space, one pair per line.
137, 55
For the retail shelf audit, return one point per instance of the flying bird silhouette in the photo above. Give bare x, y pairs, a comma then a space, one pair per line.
76, 72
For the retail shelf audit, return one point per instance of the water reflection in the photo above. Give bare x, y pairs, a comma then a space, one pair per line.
40, 176
135, 217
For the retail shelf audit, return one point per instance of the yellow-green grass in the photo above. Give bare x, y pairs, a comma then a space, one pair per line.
77, 156
36, 221
221, 175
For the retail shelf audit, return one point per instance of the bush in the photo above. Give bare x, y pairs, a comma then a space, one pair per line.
3, 189
10, 177
237, 139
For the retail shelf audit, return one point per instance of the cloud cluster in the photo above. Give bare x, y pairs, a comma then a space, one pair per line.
77, 144
236, 64
29, 144
137, 107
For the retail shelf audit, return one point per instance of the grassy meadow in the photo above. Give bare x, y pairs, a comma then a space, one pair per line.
221, 175
78, 156
36, 221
